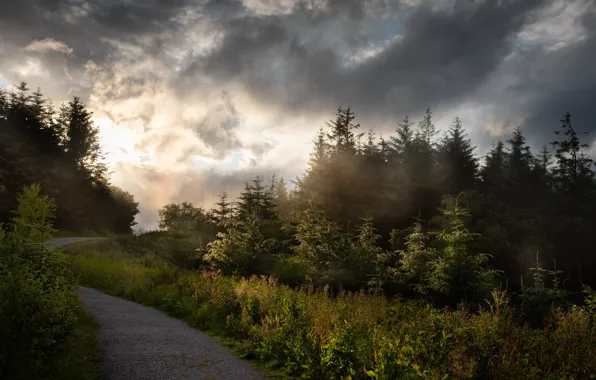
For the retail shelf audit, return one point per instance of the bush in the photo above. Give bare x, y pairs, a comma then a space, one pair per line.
37, 310
311, 333
38, 304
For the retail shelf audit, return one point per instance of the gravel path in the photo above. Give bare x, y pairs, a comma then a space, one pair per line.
139, 342
58, 242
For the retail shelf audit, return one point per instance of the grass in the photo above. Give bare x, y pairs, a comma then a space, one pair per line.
308, 333
80, 358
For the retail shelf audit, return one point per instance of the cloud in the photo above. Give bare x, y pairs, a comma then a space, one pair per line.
547, 75
48, 45
155, 188
434, 57
211, 92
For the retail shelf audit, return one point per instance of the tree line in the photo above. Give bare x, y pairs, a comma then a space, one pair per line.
415, 213
60, 150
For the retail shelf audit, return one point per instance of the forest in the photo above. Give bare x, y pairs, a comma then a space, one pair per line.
417, 214
400, 257
60, 150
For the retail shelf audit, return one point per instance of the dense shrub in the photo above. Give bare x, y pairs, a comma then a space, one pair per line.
310, 333
38, 305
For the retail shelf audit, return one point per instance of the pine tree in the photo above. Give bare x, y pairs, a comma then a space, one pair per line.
282, 199
575, 183
33, 150
541, 169
320, 155
62, 125
246, 203
426, 129
574, 170
419, 170
539, 299
223, 212
402, 144
310, 184
493, 173
4, 104
414, 258
422, 160
458, 273
342, 132
20, 98
319, 239
39, 106
519, 170
384, 150
242, 248
458, 165
82, 141
35, 214
520, 157
370, 151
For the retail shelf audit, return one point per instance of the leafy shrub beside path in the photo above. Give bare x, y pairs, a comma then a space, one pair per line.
310, 333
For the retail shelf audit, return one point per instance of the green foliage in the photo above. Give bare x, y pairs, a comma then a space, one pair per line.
79, 358
38, 303
222, 213
34, 214
516, 203
451, 272
458, 273
292, 269
184, 218
538, 300
82, 140
243, 248
60, 151
310, 333
590, 302
415, 258
342, 132
320, 241
338, 257
457, 162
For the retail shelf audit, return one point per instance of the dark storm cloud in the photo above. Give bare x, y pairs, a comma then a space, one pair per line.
441, 57
564, 80
87, 27
79, 22
300, 58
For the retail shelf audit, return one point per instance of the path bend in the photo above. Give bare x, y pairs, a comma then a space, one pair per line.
141, 343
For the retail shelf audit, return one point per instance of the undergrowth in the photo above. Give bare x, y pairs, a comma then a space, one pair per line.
80, 357
309, 333
44, 332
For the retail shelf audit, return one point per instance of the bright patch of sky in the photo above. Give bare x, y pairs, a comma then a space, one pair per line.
3, 81
558, 26
32, 68
117, 142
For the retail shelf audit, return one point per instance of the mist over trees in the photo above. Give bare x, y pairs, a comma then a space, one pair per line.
60, 150
415, 213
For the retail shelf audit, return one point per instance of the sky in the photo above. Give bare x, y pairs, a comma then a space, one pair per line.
194, 97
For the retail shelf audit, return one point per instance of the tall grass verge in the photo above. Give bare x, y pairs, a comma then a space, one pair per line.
309, 333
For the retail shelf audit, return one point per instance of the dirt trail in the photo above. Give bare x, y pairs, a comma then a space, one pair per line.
139, 342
